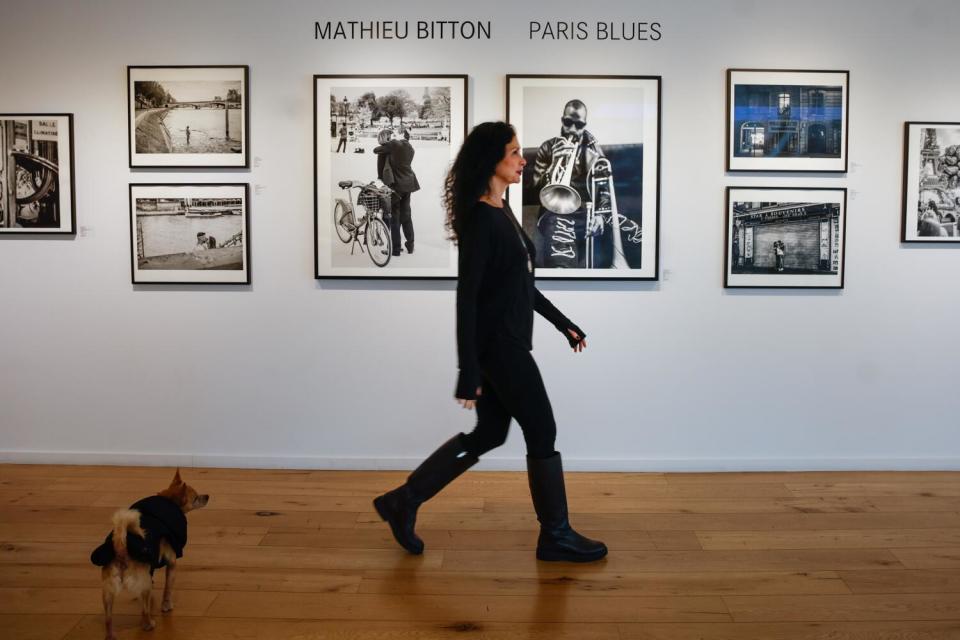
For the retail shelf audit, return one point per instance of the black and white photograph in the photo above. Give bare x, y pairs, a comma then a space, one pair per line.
36, 173
191, 116
590, 193
383, 145
190, 233
785, 237
931, 182
787, 120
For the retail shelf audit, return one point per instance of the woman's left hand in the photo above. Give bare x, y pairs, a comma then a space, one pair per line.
581, 343
470, 404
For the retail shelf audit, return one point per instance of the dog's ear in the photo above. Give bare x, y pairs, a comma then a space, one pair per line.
177, 490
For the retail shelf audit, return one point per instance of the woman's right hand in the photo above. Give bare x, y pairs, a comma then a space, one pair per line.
577, 342
469, 404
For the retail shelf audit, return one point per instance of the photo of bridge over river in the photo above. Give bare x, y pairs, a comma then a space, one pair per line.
188, 116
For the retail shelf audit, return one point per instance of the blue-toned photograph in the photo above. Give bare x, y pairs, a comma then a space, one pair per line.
787, 120
793, 121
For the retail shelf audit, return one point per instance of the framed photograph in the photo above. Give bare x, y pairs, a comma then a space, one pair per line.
590, 196
931, 182
785, 237
787, 120
382, 147
186, 117
190, 233
36, 173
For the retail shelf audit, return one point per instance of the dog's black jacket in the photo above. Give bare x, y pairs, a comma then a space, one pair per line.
160, 518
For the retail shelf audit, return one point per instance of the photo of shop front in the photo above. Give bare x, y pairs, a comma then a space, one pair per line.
786, 238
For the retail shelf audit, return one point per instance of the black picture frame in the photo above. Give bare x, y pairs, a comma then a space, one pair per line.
456, 137
943, 216
245, 226
763, 279
817, 134
12, 156
136, 163
514, 84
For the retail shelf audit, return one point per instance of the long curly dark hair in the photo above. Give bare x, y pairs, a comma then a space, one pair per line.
469, 177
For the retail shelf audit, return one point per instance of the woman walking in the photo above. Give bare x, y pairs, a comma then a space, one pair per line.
496, 298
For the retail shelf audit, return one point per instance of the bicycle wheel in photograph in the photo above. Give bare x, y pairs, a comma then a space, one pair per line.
344, 221
378, 241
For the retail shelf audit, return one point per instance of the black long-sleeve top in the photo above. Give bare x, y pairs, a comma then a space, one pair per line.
496, 292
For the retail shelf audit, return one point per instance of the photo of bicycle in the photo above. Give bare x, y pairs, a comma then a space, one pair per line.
382, 149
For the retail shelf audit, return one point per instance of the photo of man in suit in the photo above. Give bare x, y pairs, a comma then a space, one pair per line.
400, 146
398, 154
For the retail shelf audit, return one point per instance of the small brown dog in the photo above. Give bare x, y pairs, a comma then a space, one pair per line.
150, 534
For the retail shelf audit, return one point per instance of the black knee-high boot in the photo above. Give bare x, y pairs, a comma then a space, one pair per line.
399, 507
558, 540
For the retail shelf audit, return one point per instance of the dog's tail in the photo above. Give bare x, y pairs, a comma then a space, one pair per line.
125, 521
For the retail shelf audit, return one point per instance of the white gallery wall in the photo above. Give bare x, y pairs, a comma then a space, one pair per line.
680, 374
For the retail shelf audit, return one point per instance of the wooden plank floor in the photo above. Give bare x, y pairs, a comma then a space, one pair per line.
300, 555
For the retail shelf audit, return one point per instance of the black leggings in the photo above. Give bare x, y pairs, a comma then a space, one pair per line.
512, 388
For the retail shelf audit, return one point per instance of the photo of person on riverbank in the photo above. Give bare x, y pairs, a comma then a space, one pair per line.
400, 132
188, 116
189, 233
